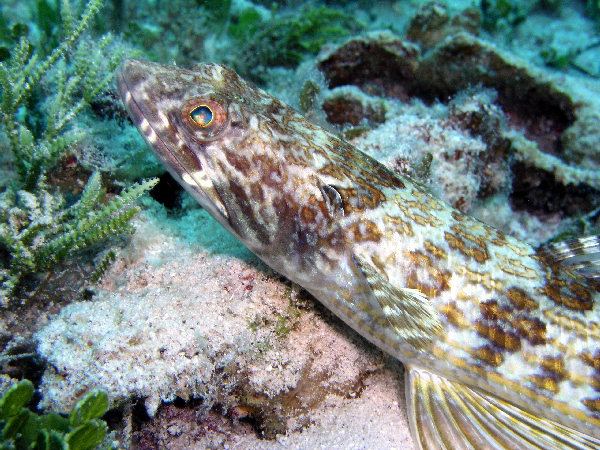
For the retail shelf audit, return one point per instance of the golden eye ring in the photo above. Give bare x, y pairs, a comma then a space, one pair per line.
204, 117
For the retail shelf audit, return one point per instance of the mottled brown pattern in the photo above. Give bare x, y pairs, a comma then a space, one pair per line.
442, 279
414, 282
563, 288
369, 197
257, 193
595, 382
520, 299
422, 219
565, 319
556, 366
371, 170
267, 167
559, 295
438, 279
437, 252
454, 315
491, 310
485, 279
545, 382
503, 339
534, 330
190, 159
514, 267
332, 170
592, 404
581, 291
531, 329
477, 248
419, 205
499, 238
458, 216
397, 225
466, 232
591, 360
488, 355
371, 233
455, 242
245, 204
308, 214
479, 254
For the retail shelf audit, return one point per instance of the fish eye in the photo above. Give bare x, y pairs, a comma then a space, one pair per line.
202, 115
204, 118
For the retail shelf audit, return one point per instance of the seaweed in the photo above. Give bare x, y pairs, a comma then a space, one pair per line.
502, 13
219, 11
38, 145
562, 58
38, 232
286, 39
38, 229
24, 429
48, 22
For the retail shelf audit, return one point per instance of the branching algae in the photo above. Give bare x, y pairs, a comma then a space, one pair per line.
37, 228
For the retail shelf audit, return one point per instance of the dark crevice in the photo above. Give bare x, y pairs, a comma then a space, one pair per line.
539, 193
167, 192
543, 115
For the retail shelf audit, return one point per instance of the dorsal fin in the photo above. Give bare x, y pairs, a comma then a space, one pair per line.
445, 415
581, 255
409, 312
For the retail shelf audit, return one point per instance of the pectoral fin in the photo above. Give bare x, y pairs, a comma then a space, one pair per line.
445, 415
409, 312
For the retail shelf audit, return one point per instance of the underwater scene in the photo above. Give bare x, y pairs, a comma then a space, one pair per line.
300, 224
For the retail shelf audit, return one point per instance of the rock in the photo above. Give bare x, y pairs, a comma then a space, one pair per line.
549, 123
207, 321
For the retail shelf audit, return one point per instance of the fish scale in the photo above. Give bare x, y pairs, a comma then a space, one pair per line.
477, 317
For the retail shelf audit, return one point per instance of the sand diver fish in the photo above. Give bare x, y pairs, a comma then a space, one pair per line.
500, 340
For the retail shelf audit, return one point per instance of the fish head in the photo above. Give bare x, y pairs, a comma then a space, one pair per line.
279, 183
216, 135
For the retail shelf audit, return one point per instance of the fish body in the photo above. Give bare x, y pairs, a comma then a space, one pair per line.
500, 340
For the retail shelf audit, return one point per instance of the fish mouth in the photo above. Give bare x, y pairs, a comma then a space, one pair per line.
152, 138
